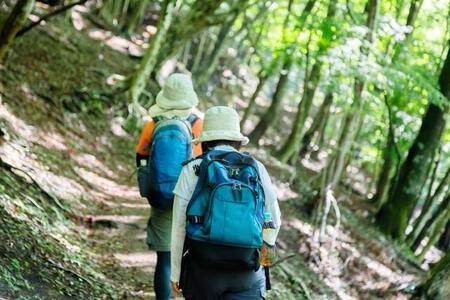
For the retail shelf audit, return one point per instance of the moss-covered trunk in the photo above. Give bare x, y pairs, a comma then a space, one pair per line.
13, 24
389, 150
139, 79
394, 215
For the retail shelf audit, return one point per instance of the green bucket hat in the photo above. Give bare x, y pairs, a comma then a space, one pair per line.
221, 123
177, 98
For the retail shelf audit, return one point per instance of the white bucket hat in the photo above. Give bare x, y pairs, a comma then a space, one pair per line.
221, 123
177, 98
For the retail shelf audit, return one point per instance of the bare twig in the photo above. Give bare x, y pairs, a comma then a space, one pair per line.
48, 16
289, 256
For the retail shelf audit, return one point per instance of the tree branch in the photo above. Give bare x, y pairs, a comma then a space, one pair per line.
48, 16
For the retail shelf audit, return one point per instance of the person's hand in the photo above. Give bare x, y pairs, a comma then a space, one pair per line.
176, 288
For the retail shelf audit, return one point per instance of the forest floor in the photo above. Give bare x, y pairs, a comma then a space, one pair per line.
70, 214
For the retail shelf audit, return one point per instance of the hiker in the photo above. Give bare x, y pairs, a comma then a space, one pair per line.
220, 202
165, 143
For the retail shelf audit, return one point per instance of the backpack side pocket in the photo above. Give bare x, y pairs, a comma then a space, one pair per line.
143, 175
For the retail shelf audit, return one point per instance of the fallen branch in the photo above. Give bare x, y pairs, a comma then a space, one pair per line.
289, 256
48, 16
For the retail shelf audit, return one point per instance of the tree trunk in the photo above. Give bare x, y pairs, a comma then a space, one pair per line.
210, 63
389, 150
252, 100
201, 16
292, 146
437, 284
437, 227
385, 174
410, 21
141, 76
437, 211
444, 240
13, 24
349, 129
393, 216
352, 119
198, 52
428, 208
304, 106
136, 15
273, 113
318, 124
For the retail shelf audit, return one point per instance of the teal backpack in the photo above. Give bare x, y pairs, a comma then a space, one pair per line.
171, 146
225, 215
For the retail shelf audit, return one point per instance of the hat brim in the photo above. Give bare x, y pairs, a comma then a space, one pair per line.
190, 96
221, 135
156, 111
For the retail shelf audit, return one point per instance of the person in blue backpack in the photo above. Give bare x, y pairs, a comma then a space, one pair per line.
222, 199
166, 142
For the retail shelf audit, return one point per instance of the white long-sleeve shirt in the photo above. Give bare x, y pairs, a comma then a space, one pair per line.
183, 193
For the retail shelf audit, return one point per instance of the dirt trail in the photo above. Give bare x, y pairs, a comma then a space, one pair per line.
110, 217
116, 232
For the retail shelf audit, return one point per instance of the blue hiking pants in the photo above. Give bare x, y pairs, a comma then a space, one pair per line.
201, 283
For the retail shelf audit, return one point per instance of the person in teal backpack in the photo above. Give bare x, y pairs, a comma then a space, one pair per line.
221, 201
166, 142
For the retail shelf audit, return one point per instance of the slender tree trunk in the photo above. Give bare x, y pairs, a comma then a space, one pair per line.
437, 227
292, 146
252, 100
428, 207
318, 124
385, 174
139, 79
352, 119
199, 50
441, 209
393, 216
410, 21
427, 210
444, 240
304, 106
137, 13
349, 129
273, 113
209, 64
13, 24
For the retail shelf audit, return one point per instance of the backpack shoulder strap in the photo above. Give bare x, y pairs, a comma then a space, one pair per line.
157, 119
194, 158
192, 119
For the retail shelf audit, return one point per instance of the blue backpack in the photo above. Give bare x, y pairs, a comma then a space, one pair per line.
225, 215
171, 146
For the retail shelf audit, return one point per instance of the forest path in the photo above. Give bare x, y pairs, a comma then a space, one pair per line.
116, 231
109, 216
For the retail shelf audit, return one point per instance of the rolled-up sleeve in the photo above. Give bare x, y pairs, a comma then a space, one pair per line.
271, 203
